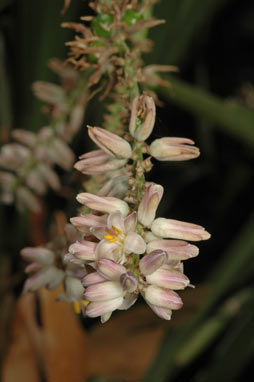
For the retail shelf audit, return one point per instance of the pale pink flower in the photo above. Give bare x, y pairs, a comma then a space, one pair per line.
104, 204
149, 203
119, 238
98, 162
173, 149
142, 117
112, 144
169, 228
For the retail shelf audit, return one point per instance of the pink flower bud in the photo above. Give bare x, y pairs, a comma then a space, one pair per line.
142, 117
103, 291
83, 250
14, 155
170, 228
173, 149
60, 153
38, 255
114, 145
48, 92
129, 282
149, 203
176, 249
84, 222
154, 260
163, 313
105, 204
26, 137
161, 297
50, 277
97, 162
92, 278
168, 279
99, 308
110, 269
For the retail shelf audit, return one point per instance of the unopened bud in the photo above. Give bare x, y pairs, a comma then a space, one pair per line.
149, 203
173, 149
111, 143
151, 262
142, 117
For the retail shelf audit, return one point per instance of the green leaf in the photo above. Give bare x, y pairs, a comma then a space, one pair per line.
229, 116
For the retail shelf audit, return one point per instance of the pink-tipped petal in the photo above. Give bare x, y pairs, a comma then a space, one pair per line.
99, 308
134, 243
110, 143
163, 313
39, 255
110, 269
130, 222
173, 149
170, 228
168, 279
176, 249
142, 117
103, 291
164, 298
149, 204
151, 262
129, 282
104, 204
92, 278
115, 219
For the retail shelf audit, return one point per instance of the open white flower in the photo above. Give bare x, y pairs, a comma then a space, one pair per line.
118, 238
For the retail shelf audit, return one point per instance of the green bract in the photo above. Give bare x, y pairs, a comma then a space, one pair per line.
101, 25
93, 57
131, 16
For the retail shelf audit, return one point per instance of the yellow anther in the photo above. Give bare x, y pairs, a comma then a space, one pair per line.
77, 307
116, 230
112, 236
85, 303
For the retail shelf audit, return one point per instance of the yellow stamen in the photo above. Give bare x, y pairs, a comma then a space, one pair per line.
111, 237
77, 307
116, 230
85, 303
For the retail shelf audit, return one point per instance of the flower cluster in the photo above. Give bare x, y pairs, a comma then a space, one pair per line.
128, 255
125, 248
116, 248
27, 166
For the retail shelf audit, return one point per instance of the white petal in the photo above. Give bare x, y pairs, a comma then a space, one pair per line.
134, 243
99, 308
130, 222
103, 291
116, 219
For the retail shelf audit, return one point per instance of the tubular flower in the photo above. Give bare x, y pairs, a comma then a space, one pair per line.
142, 117
173, 149
112, 144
